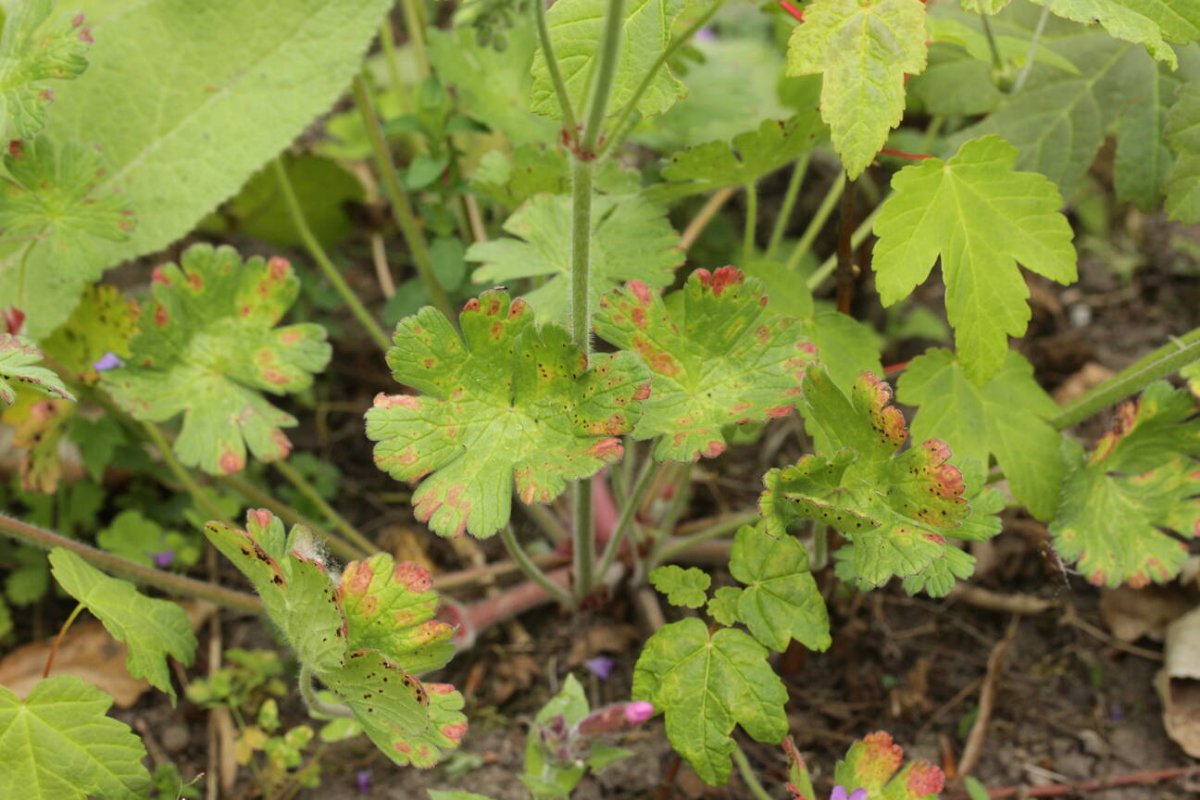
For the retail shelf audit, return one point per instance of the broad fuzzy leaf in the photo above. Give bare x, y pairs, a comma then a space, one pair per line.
1183, 136
1151, 23
981, 217
631, 238
505, 401
33, 53
1005, 417
863, 51
687, 588
17, 359
58, 744
576, 28
208, 345
706, 683
752, 155
896, 509
185, 101
1141, 481
876, 764
151, 629
716, 358
781, 600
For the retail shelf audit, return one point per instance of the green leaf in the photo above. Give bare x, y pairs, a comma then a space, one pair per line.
1183, 136
716, 358
899, 530
781, 600
17, 359
32, 54
219, 106
6, 620
752, 155
706, 683
513, 179
546, 776
59, 745
1140, 482
1150, 23
576, 28
631, 238
102, 323
981, 217
863, 52
151, 629
984, 6
505, 401
723, 607
687, 588
1142, 159
876, 764
141, 540
1006, 417
208, 346
28, 581
1192, 374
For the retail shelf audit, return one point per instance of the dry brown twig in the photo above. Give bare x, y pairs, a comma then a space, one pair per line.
987, 700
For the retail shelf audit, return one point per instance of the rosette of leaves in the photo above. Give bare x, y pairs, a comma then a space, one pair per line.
208, 345
33, 53
505, 403
895, 507
364, 636
716, 358
1121, 504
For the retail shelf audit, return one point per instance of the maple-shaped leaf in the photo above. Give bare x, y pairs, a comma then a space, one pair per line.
576, 28
98, 330
687, 588
706, 682
151, 629
504, 402
631, 239
207, 348
32, 54
863, 51
723, 607
716, 358
895, 508
1151, 23
1006, 417
752, 155
981, 217
876, 764
1141, 483
780, 601
18, 357
1183, 136
58, 744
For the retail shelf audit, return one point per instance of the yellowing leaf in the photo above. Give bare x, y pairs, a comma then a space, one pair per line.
876, 764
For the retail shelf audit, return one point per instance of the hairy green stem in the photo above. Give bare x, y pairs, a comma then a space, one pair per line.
314, 703
817, 222
318, 254
668, 552
1027, 67
747, 773
1159, 364
632, 500
830, 264
402, 210
581, 324
997, 62
532, 570
789, 203
203, 501
148, 576
293, 476
547, 521
606, 72
751, 225
560, 88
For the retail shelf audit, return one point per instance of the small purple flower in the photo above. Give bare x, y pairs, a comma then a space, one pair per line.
107, 361
163, 560
600, 666
363, 781
638, 712
839, 793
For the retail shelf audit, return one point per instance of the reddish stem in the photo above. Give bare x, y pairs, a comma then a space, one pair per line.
791, 9
1094, 785
901, 154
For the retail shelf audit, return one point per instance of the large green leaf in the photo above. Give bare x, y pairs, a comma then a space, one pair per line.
863, 51
576, 28
208, 346
59, 745
780, 601
716, 358
1005, 416
504, 402
706, 683
631, 239
34, 52
1183, 135
1151, 23
151, 629
981, 217
1140, 482
185, 101
18, 363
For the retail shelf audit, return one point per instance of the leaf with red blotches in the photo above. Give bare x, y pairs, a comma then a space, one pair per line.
876, 764
18, 357
895, 507
207, 348
505, 402
34, 52
716, 358
1141, 484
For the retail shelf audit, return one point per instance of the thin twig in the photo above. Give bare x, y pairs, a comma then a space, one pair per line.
704, 216
1142, 778
987, 700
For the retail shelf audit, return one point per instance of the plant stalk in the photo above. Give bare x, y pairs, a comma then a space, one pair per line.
414, 28
747, 773
560, 88
203, 501
828, 265
789, 203
293, 476
632, 500
669, 552
532, 570
606, 72
817, 222
751, 225
289, 515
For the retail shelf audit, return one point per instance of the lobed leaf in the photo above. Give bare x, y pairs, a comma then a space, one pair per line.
208, 346
506, 403
34, 52
687, 588
1139, 484
151, 629
715, 357
781, 600
876, 764
981, 217
1151, 23
1183, 137
17, 359
99, 327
